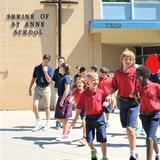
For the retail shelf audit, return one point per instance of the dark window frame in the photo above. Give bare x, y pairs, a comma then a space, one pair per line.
142, 52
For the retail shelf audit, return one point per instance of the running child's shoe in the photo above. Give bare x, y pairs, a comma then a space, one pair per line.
94, 154
134, 158
104, 158
83, 141
157, 157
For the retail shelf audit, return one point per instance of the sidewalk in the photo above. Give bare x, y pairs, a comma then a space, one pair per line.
18, 142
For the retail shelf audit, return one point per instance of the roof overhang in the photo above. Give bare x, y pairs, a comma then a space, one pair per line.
124, 24
127, 31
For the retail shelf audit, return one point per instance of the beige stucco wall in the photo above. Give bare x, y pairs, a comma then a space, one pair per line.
111, 53
79, 46
19, 55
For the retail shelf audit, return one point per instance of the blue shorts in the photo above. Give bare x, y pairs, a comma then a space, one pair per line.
129, 110
96, 123
83, 114
150, 124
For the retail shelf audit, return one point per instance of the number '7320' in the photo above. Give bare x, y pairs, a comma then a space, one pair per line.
113, 25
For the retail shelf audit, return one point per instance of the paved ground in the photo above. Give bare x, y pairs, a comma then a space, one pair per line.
18, 142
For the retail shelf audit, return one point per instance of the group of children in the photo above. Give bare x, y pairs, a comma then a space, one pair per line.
92, 97
129, 81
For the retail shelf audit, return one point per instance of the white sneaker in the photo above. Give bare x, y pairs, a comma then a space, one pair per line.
62, 138
46, 127
37, 127
83, 141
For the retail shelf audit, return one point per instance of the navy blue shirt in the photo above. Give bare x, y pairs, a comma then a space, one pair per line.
40, 77
154, 78
56, 77
64, 79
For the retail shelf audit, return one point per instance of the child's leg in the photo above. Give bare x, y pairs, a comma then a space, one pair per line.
84, 127
107, 116
149, 143
132, 140
90, 135
104, 149
131, 118
91, 145
101, 135
93, 151
65, 127
83, 141
150, 125
156, 148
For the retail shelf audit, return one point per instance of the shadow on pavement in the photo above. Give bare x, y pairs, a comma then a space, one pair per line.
17, 128
41, 141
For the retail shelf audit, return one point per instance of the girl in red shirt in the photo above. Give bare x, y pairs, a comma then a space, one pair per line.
75, 99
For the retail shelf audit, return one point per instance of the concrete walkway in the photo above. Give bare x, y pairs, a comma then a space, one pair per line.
18, 142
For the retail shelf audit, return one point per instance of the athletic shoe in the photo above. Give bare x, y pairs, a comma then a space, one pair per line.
94, 154
62, 138
104, 158
133, 158
157, 158
37, 127
58, 125
46, 127
83, 141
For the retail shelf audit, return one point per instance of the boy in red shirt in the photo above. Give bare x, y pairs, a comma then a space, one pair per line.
124, 81
149, 94
91, 100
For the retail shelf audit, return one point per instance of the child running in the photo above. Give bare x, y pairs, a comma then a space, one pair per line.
124, 81
91, 100
149, 93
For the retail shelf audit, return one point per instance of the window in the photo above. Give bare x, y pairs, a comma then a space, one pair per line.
143, 52
147, 0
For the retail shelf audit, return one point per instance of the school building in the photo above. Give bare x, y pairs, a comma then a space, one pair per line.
85, 32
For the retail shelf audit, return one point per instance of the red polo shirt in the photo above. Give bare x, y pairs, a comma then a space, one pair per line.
76, 94
149, 97
92, 101
125, 82
106, 84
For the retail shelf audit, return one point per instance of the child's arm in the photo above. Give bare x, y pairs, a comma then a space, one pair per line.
72, 100
114, 100
78, 111
65, 94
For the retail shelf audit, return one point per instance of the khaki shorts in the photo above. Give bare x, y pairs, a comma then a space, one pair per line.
44, 93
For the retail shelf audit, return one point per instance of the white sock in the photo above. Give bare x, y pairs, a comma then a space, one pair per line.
47, 121
93, 149
133, 153
38, 120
